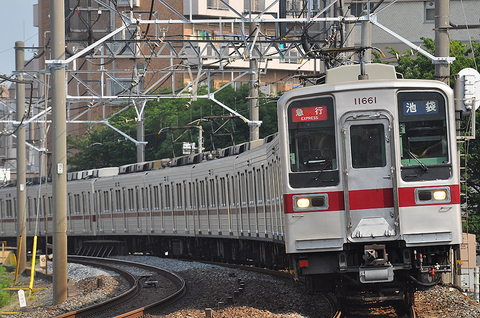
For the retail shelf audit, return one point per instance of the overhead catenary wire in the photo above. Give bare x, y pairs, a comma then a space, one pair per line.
469, 36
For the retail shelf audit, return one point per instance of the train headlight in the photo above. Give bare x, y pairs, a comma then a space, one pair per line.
303, 203
310, 202
432, 195
440, 195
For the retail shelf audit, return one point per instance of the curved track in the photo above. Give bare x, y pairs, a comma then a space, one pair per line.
133, 297
357, 308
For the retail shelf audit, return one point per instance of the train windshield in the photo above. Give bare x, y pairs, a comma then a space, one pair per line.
423, 131
312, 142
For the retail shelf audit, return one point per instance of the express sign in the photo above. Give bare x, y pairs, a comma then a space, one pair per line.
304, 114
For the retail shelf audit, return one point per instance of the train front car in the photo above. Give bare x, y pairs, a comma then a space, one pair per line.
371, 189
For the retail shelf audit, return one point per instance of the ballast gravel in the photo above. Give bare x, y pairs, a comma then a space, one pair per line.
264, 296
445, 302
87, 294
78, 272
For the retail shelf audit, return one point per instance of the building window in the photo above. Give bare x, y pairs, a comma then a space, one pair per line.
291, 54
357, 7
429, 11
255, 5
216, 4
121, 86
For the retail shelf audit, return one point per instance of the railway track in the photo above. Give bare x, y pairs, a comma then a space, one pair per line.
355, 308
143, 295
358, 308
233, 290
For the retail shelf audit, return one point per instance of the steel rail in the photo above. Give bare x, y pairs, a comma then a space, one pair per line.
134, 289
109, 264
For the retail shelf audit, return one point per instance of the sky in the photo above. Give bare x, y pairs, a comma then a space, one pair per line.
16, 24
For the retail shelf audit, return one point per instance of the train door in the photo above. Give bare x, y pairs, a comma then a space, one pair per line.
369, 176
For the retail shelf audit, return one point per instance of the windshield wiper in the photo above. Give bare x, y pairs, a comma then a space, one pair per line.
414, 157
327, 164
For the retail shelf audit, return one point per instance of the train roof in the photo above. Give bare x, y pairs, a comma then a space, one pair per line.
155, 164
349, 77
350, 73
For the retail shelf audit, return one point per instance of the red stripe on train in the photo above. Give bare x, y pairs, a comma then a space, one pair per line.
335, 202
372, 199
407, 195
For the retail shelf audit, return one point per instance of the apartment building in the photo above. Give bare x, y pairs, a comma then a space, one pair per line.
414, 19
150, 58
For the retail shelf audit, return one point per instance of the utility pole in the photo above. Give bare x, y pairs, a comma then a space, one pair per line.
442, 39
253, 86
141, 137
349, 33
141, 117
59, 162
21, 178
442, 73
42, 135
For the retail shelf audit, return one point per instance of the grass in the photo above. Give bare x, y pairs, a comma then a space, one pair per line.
5, 281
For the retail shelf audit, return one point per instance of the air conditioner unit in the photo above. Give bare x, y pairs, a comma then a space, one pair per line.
127, 3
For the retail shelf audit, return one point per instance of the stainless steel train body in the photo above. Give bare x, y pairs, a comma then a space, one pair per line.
230, 194
371, 185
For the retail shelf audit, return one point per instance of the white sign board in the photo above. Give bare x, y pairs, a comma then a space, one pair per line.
21, 297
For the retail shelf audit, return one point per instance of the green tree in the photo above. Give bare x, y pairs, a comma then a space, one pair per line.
417, 66
103, 147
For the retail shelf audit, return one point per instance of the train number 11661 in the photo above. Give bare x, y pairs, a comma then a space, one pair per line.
365, 100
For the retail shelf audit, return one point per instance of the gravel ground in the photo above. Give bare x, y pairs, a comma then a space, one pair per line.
264, 296
78, 272
445, 302
86, 294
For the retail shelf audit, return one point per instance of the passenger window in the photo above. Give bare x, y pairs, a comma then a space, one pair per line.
50, 205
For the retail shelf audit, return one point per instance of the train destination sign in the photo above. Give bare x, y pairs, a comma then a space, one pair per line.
304, 114
420, 107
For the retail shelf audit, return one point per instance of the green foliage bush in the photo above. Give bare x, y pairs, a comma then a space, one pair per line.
5, 281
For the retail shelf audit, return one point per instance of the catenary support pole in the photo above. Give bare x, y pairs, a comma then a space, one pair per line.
141, 139
21, 178
253, 94
442, 39
442, 49
476, 284
350, 33
59, 162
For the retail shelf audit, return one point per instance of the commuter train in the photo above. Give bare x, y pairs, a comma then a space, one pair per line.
360, 187
371, 179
